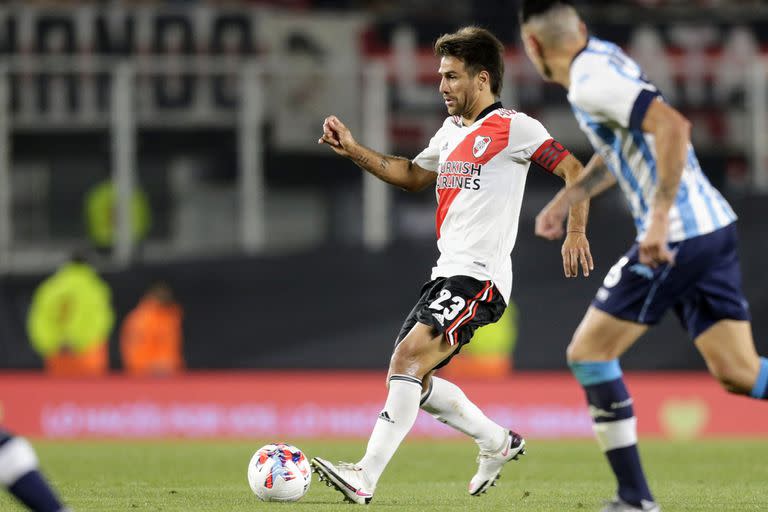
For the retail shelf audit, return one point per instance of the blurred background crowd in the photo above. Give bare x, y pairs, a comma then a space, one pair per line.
164, 152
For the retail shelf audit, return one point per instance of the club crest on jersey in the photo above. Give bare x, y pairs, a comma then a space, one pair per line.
481, 144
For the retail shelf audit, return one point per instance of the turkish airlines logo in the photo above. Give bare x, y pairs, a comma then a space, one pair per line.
481, 144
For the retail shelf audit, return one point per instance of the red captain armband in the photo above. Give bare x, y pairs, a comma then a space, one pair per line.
549, 155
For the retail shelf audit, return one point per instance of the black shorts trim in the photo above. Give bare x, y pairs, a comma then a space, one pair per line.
455, 307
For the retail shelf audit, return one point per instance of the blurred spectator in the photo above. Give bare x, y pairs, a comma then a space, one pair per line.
70, 319
151, 336
100, 215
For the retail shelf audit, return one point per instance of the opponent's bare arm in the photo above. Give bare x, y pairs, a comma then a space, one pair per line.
594, 179
575, 249
672, 133
395, 170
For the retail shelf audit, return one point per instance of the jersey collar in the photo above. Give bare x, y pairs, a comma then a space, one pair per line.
487, 110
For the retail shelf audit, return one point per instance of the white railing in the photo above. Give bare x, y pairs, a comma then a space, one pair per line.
376, 199
124, 162
125, 116
251, 177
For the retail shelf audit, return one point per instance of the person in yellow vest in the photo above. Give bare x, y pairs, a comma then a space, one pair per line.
70, 319
490, 353
100, 204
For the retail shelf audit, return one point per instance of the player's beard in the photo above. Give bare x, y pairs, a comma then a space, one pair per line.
457, 109
463, 108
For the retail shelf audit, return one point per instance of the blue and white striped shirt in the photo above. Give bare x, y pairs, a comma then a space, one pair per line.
610, 95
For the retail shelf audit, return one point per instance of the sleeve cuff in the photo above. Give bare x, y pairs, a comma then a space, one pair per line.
642, 103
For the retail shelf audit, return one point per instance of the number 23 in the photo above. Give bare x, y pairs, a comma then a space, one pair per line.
450, 312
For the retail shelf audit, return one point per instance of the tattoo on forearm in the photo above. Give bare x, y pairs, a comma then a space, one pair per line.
390, 169
666, 192
671, 155
594, 178
366, 163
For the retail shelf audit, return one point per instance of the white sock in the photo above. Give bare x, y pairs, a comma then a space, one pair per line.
448, 403
395, 421
17, 458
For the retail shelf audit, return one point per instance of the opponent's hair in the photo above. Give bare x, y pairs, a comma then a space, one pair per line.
478, 49
530, 8
553, 21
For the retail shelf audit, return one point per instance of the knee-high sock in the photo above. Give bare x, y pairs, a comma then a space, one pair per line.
760, 389
395, 421
19, 473
448, 403
615, 425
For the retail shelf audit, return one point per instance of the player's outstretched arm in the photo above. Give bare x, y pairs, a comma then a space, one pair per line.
575, 249
395, 170
671, 132
594, 179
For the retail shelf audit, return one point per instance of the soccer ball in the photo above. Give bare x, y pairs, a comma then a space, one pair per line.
279, 472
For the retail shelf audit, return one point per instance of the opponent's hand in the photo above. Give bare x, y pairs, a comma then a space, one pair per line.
576, 252
549, 221
653, 248
337, 136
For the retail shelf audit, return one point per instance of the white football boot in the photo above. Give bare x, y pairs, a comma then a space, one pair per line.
349, 479
490, 463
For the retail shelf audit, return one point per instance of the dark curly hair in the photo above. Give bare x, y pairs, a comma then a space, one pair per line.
478, 49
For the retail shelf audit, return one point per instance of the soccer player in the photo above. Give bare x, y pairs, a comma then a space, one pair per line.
478, 160
20, 474
685, 257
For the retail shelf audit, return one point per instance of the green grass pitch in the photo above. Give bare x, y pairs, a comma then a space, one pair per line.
704, 475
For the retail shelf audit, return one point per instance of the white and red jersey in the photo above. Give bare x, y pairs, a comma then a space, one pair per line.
481, 171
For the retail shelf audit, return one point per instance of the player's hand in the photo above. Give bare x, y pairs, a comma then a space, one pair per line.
653, 248
576, 252
549, 221
337, 136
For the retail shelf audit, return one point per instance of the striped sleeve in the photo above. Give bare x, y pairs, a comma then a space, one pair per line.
611, 95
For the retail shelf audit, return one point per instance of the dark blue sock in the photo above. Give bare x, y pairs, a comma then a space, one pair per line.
625, 463
615, 426
32, 490
760, 390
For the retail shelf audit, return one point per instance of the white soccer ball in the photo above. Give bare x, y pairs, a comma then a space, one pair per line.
279, 472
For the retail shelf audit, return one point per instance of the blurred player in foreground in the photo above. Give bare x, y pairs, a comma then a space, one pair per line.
19, 473
685, 257
478, 161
